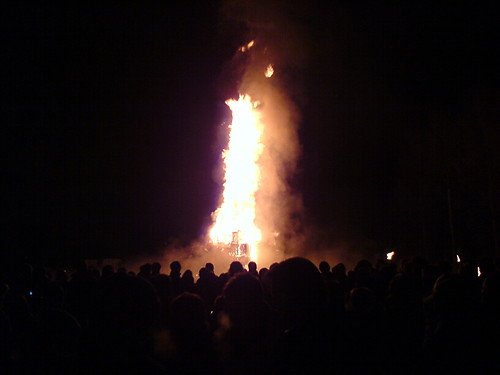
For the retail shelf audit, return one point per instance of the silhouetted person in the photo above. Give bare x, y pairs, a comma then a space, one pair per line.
246, 326
234, 268
252, 269
127, 309
324, 268
363, 340
339, 273
190, 331
161, 284
364, 275
145, 271
175, 278
298, 294
81, 294
452, 339
155, 269
405, 322
207, 287
210, 267
187, 281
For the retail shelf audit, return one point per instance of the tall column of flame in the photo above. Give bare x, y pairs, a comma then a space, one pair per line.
241, 179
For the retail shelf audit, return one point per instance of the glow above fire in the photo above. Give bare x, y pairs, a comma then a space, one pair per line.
235, 218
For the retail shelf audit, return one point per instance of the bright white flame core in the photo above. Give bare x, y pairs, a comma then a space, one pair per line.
458, 258
242, 177
390, 255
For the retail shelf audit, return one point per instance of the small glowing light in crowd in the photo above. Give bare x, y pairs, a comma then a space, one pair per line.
269, 71
458, 258
390, 255
478, 271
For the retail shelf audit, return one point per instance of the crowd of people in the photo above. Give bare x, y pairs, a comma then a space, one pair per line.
294, 317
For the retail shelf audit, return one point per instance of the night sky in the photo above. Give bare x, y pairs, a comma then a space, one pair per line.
111, 115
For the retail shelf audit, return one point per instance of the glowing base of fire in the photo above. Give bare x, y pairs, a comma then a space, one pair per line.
231, 252
235, 248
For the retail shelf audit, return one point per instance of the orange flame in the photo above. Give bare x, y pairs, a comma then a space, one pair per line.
242, 176
269, 71
246, 47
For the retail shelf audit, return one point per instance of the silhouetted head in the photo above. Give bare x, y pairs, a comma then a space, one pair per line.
188, 313
175, 267
324, 267
145, 270
263, 272
203, 273
242, 287
338, 271
235, 267
188, 274
210, 267
252, 266
155, 268
298, 290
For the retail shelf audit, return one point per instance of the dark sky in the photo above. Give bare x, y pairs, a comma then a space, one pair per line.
111, 112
